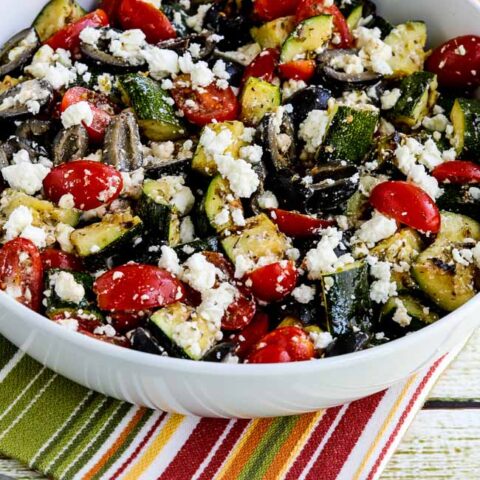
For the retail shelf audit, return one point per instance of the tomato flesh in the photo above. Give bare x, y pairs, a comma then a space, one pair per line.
262, 66
459, 172
54, 258
101, 108
136, 287
298, 225
69, 37
457, 62
92, 184
250, 335
273, 282
312, 8
153, 22
211, 103
297, 70
110, 7
123, 322
407, 204
267, 10
21, 272
285, 344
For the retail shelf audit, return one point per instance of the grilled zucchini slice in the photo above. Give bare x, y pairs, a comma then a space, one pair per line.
274, 33
258, 98
465, 118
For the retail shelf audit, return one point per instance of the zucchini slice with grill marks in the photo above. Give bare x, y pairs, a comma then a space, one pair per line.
116, 233
152, 106
258, 98
259, 238
346, 299
56, 15
408, 42
308, 37
419, 95
465, 118
182, 332
448, 283
203, 161
350, 134
404, 314
274, 33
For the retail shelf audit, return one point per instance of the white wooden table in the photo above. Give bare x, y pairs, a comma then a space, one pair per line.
443, 442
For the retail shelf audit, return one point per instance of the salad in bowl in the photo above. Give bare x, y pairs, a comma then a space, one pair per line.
253, 182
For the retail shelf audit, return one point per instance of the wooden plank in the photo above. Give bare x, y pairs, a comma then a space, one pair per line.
440, 445
461, 380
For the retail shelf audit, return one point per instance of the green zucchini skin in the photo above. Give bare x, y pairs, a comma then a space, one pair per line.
258, 98
210, 244
465, 117
419, 94
55, 15
350, 135
152, 106
458, 199
420, 313
347, 302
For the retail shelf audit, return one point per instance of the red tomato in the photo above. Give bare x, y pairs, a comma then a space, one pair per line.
273, 282
298, 225
457, 62
110, 7
136, 287
145, 16
101, 108
123, 322
312, 8
84, 325
297, 70
407, 204
21, 272
91, 183
267, 10
240, 313
212, 103
250, 335
459, 172
54, 258
68, 38
285, 344
262, 66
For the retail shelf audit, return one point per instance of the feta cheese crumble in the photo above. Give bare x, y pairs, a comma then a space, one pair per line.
77, 114
67, 288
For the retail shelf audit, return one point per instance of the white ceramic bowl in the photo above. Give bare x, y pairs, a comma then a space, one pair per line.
225, 390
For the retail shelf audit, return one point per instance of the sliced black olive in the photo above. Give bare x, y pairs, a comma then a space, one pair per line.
219, 352
348, 343
307, 314
15, 144
276, 136
33, 129
25, 98
291, 190
100, 53
70, 144
123, 146
183, 44
332, 186
143, 341
18, 50
234, 69
313, 97
158, 168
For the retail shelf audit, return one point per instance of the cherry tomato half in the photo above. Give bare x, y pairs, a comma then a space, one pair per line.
21, 272
101, 108
262, 66
54, 258
312, 8
68, 38
240, 313
407, 204
285, 344
459, 171
123, 322
273, 282
92, 184
110, 7
250, 335
267, 10
297, 70
298, 225
457, 62
148, 18
135, 287
211, 103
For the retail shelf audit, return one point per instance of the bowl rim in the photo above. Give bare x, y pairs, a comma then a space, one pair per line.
149, 360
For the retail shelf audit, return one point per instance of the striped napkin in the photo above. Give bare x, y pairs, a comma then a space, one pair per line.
68, 432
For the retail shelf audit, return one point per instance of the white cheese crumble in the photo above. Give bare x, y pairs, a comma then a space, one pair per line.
169, 260
67, 288
195, 22
267, 200
291, 86
401, 315
376, 229
390, 98
161, 62
128, 45
215, 302
304, 293
313, 129
90, 35
23, 175
62, 235
77, 114
321, 340
29, 41
242, 178
30, 94
374, 53
36, 235
199, 273
18, 220
187, 230
382, 288
66, 201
